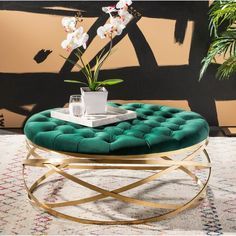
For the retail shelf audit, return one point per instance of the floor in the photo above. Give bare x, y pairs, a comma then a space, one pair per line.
215, 215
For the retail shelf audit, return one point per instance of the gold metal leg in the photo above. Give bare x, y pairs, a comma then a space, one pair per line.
162, 163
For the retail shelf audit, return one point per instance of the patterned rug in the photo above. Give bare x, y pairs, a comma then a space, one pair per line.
215, 215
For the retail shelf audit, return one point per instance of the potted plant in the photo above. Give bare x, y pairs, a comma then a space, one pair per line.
94, 93
223, 29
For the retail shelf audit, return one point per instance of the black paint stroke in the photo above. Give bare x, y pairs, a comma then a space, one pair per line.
148, 81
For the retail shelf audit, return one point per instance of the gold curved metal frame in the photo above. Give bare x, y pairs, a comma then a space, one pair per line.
162, 162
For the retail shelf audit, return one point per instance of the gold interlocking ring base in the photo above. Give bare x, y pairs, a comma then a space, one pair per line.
162, 163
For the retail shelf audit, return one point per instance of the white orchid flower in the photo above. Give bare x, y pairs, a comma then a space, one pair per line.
109, 9
104, 30
117, 22
125, 16
118, 25
67, 44
69, 23
123, 4
75, 39
80, 38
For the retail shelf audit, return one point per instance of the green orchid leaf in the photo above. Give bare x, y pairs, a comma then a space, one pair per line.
83, 70
109, 82
96, 70
101, 54
100, 61
85, 64
72, 62
74, 81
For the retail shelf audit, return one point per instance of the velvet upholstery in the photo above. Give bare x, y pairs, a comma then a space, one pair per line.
156, 129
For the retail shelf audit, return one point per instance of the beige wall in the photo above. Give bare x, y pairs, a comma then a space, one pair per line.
24, 34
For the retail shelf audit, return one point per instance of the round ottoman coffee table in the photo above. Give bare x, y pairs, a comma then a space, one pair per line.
149, 142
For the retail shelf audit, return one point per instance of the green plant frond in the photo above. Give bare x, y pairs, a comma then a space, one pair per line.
230, 33
224, 44
220, 12
218, 46
229, 39
227, 69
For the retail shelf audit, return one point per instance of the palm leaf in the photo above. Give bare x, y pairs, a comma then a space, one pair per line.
227, 69
217, 47
222, 16
221, 12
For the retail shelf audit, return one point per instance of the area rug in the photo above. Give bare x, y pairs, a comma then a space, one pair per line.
215, 215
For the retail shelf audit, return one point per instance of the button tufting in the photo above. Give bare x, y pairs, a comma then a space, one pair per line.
156, 129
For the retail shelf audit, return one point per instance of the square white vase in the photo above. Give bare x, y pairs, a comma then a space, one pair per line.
95, 102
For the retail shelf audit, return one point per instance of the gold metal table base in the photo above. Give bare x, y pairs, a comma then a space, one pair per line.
161, 162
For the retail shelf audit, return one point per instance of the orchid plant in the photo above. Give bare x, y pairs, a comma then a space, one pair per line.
119, 17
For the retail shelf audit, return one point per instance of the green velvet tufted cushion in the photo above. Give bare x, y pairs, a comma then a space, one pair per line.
156, 129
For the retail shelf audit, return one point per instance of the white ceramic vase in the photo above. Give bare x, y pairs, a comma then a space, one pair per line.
95, 102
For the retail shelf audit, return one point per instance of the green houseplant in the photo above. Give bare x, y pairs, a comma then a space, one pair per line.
94, 94
222, 27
